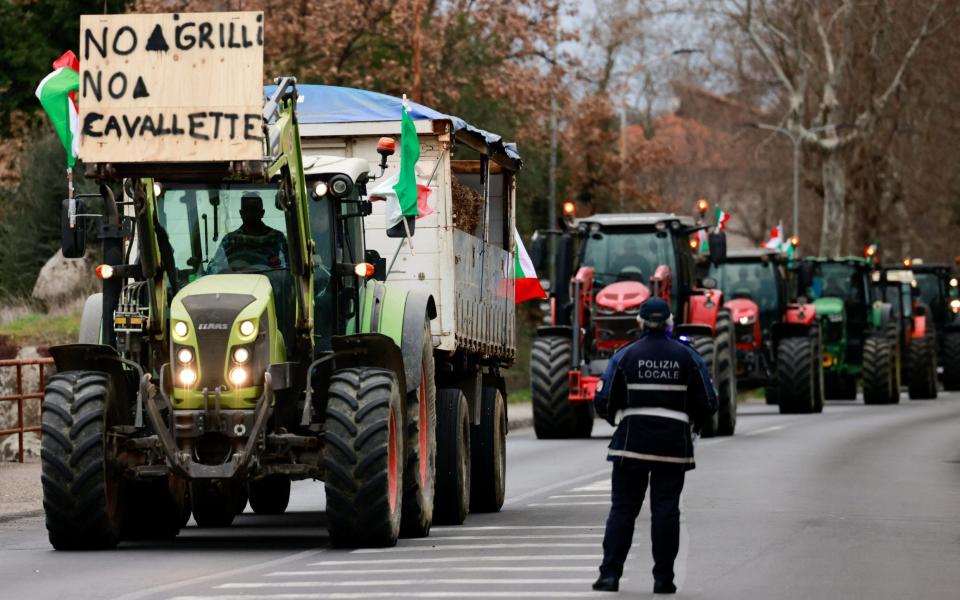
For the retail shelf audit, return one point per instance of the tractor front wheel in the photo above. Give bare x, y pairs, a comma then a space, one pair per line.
706, 348
922, 358
951, 361
81, 492
554, 416
797, 363
270, 495
363, 457
880, 381
727, 366
213, 501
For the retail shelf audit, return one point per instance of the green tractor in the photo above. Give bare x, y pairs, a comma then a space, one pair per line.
242, 340
915, 332
859, 335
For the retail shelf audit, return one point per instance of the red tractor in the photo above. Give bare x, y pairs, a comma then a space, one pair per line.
613, 263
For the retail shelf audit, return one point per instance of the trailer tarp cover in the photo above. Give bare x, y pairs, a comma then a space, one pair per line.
333, 104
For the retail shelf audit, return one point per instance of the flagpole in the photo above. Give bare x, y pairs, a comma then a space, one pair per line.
403, 217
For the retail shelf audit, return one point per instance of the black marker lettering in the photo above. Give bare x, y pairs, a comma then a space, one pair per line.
195, 127
173, 126
250, 123
183, 40
131, 127
147, 125
88, 120
246, 43
216, 123
101, 46
160, 129
133, 40
95, 85
231, 43
233, 123
206, 30
116, 95
112, 125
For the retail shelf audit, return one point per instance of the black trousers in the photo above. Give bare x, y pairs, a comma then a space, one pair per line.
629, 487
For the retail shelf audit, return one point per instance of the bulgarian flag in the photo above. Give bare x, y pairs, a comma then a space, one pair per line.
58, 95
720, 218
776, 238
525, 277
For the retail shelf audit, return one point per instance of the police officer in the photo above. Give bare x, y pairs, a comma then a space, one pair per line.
658, 389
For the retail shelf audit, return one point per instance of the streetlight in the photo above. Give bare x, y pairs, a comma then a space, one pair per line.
623, 112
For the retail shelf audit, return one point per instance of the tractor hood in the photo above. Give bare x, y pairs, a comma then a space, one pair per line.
742, 310
622, 296
254, 288
828, 306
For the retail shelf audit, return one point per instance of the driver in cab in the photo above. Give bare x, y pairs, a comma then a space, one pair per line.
253, 244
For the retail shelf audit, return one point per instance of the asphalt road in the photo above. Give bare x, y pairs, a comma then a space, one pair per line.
859, 502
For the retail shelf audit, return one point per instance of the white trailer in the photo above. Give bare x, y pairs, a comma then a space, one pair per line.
461, 254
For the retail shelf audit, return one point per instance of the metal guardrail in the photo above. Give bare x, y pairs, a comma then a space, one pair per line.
20, 395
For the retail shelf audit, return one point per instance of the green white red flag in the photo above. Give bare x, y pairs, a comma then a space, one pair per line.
58, 96
720, 218
703, 242
776, 241
406, 186
527, 285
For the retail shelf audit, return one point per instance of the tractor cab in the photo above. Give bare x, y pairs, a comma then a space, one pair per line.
755, 275
939, 289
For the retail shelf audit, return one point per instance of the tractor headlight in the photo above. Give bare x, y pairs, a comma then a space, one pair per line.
180, 329
238, 376
185, 355
320, 190
747, 319
247, 328
954, 282
241, 355
188, 376
955, 305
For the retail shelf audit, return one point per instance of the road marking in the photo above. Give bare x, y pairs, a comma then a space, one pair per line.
765, 430
580, 496
552, 536
399, 594
396, 582
259, 566
559, 485
592, 503
445, 548
452, 559
597, 486
405, 570
508, 528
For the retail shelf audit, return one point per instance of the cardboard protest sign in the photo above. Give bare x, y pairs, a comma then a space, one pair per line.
171, 87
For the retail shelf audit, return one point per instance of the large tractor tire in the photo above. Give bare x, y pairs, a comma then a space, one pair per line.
881, 383
706, 348
797, 372
452, 501
554, 416
922, 361
727, 367
363, 457
771, 394
154, 508
951, 361
214, 502
419, 473
270, 495
82, 492
488, 454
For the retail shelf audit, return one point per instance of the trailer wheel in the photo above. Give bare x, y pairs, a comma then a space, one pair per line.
951, 361
363, 457
797, 374
82, 493
488, 454
452, 501
922, 359
270, 495
154, 508
727, 371
554, 416
879, 371
213, 502
419, 473
705, 347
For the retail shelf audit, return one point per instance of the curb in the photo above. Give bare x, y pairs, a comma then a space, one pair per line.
519, 416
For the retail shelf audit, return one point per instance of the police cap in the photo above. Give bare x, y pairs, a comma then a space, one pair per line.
655, 310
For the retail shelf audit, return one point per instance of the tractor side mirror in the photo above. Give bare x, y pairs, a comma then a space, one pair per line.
718, 248
73, 230
379, 264
538, 250
386, 146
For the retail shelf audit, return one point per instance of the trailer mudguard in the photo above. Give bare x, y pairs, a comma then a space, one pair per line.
555, 331
97, 357
419, 309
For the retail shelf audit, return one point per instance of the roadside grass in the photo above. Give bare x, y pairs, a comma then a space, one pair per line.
518, 396
25, 323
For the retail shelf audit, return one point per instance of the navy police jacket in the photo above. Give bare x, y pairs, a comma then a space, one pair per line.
657, 388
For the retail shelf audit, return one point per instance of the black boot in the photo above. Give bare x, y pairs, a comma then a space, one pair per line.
607, 584
664, 587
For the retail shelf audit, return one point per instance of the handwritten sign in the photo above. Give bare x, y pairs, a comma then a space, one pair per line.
171, 87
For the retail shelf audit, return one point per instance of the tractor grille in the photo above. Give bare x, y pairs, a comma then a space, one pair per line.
209, 312
615, 328
834, 331
744, 333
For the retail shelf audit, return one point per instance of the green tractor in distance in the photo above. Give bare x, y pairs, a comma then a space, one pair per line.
915, 333
939, 289
859, 335
220, 362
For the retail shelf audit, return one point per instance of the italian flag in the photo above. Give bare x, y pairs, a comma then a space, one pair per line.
58, 96
703, 242
776, 238
406, 188
720, 218
527, 285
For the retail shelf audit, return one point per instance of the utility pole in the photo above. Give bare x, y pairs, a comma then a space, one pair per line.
552, 176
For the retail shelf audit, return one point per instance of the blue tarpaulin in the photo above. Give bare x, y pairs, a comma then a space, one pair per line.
333, 104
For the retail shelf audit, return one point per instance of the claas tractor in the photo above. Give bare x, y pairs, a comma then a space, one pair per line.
916, 335
241, 341
939, 290
778, 342
859, 334
606, 266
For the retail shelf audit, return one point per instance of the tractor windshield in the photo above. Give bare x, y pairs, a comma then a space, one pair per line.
225, 228
627, 254
838, 280
754, 280
931, 288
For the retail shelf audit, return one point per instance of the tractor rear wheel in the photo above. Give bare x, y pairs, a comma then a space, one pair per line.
419, 472
363, 457
452, 501
488, 454
706, 348
951, 361
213, 501
727, 367
880, 371
270, 495
154, 508
771, 394
797, 372
554, 416
82, 493
922, 361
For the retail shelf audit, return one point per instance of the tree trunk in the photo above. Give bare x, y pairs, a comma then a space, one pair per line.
834, 199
